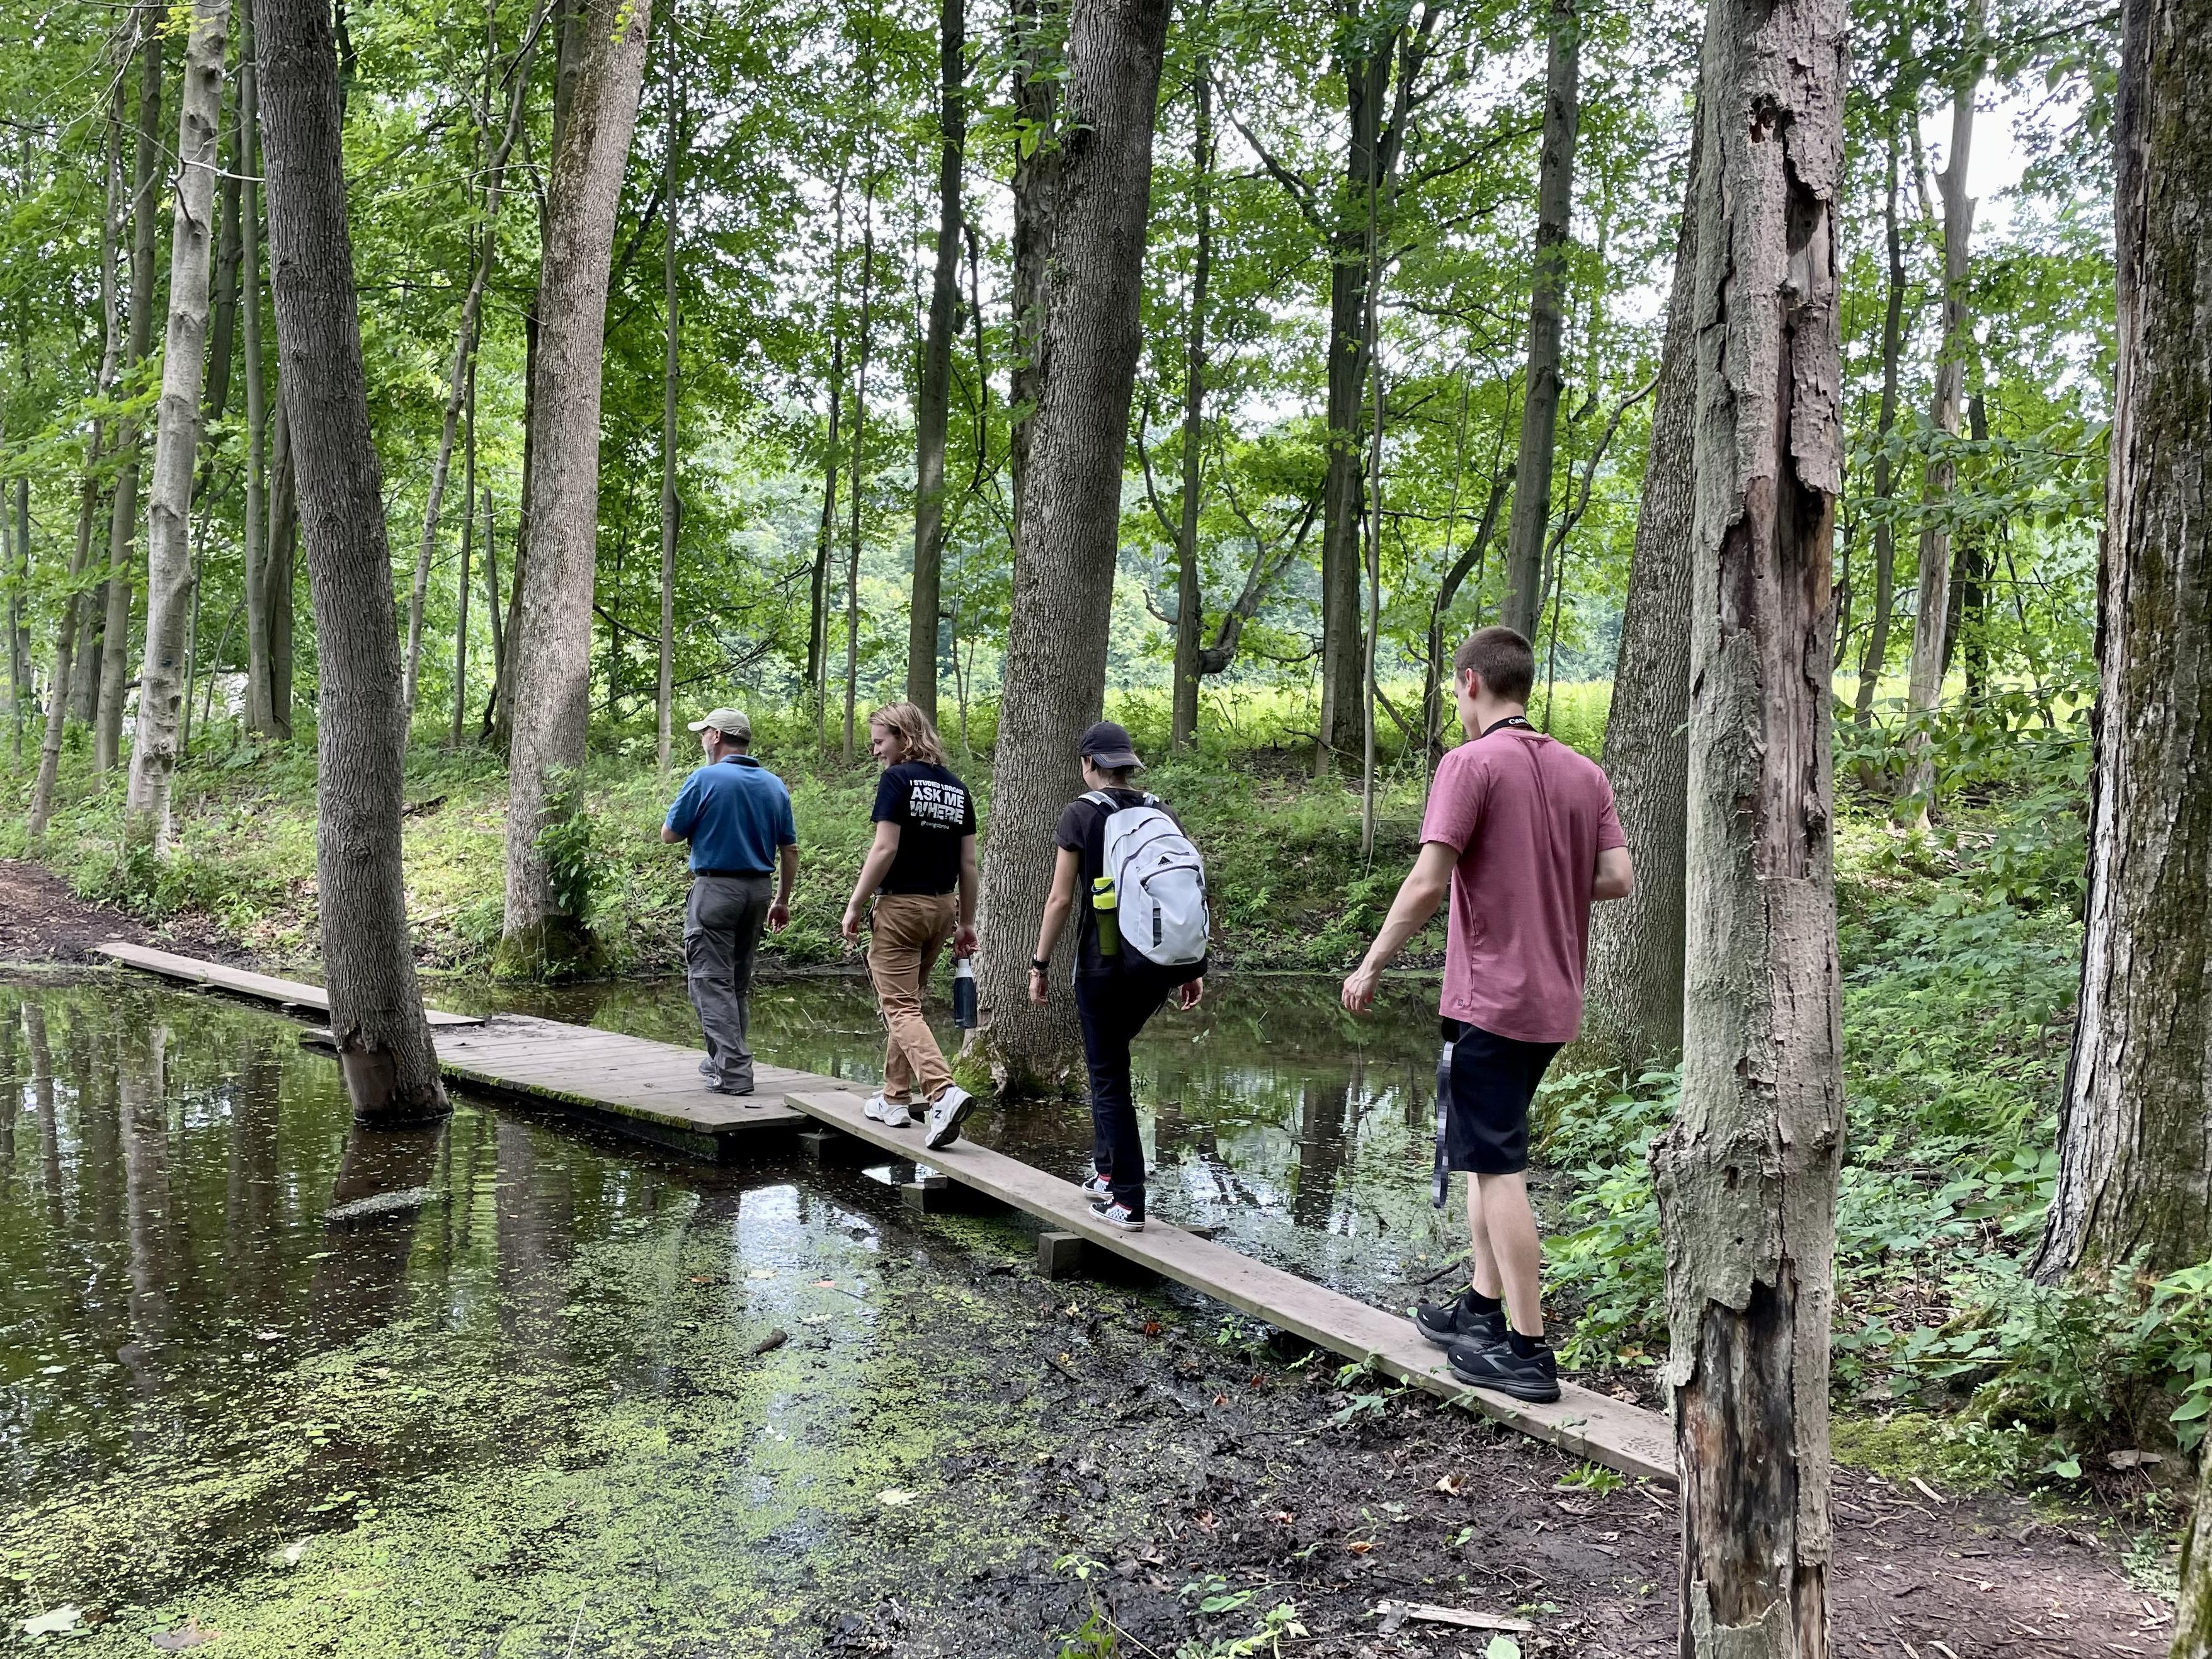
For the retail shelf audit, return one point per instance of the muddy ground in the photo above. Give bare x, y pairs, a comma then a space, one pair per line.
1192, 1464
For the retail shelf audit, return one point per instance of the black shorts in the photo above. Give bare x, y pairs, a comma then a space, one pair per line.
1485, 1082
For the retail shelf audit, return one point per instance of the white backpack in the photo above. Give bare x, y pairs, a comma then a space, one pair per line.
1159, 880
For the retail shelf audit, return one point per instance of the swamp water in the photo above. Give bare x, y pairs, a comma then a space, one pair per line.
509, 1386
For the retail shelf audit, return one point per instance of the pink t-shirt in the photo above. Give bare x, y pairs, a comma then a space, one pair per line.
1528, 816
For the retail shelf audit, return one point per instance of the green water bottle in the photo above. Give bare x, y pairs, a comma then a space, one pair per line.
1106, 905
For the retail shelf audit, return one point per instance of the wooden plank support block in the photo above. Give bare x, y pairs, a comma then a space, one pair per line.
930, 1194
1059, 1255
831, 1146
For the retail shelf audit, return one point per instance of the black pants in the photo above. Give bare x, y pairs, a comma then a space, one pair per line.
1114, 1008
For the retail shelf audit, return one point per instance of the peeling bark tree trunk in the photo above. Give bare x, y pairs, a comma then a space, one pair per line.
376, 1007
934, 390
163, 684
1925, 691
553, 676
1885, 526
1746, 1173
1190, 600
123, 528
1526, 531
1082, 197
1635, 1002
2134, 1150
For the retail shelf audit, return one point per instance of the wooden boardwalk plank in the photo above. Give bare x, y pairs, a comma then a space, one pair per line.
262, 988
653, 1090
1590, 1425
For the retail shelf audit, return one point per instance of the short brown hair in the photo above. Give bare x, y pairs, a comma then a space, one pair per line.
905, 721
1505, 662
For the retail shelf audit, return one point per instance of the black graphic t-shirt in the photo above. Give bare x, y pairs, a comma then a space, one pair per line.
933, 810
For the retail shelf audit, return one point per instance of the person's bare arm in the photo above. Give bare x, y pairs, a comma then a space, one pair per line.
963, 936
1059, 905
873, 869
779, 913
1616, 876
1427, 885
668, 835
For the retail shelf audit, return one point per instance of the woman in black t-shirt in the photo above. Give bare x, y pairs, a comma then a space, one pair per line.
1113, 995
924, 855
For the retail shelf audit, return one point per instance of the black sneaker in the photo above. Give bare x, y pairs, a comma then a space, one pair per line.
1119, 1215
1446, 1322
1495, 1366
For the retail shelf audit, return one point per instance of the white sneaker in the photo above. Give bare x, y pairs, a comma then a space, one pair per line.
891, 1114
1097, 1189
945, 1115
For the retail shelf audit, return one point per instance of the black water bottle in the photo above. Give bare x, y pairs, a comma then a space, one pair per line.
964, 994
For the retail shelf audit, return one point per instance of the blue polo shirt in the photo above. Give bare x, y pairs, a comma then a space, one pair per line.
735, 814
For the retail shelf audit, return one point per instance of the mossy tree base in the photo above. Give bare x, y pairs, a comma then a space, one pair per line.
558, 948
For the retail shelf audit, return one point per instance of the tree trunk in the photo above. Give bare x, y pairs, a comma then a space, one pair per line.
1526, 531
1636, 945
222, 327
123, 529
376, 1007
281, 560
817, 616
464, 347
933, 391
671, 384
162, 685
552, 678
260, 672
1884, 524
1970, 569
1190, 600
2135, 1148
499, 726
1746, 1173
1367, 89
468, 548
1925, 691
1081, 196
860, 461
73, 636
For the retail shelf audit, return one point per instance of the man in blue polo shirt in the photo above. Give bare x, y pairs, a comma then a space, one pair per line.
737, 814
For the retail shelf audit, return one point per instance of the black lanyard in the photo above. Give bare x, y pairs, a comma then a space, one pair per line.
1520, 720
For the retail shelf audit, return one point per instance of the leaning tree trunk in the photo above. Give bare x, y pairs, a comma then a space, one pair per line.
1190, 598
1526, 531
163, 684
1747, 1174
933, 400
280, 559
1084, 195
1635, 1003
2135, 1149
1884, 524
553, 675
376, 1007
1924, 690
122, 527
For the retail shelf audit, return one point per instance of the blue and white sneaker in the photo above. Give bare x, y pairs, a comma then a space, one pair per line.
891, 1114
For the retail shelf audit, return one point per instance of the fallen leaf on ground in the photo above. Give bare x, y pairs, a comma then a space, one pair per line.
1452, 1484
58, 1622
894, 1498
1360, 1546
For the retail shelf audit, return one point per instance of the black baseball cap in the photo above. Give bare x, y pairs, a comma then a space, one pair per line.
1107, 746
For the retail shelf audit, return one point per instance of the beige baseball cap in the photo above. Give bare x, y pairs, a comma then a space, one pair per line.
730, 722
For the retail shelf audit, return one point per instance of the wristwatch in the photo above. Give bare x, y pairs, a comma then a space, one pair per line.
1039, 964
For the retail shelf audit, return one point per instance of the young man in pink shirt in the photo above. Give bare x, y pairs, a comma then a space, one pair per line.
1521, 833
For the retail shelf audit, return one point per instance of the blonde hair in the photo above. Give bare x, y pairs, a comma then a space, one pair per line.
905, 721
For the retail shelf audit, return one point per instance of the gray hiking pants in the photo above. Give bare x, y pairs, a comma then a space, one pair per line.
722, 924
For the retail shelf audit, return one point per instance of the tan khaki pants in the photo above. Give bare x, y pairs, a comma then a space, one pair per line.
908, 931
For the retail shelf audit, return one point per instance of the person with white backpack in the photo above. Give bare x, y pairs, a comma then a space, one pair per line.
1127, 870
